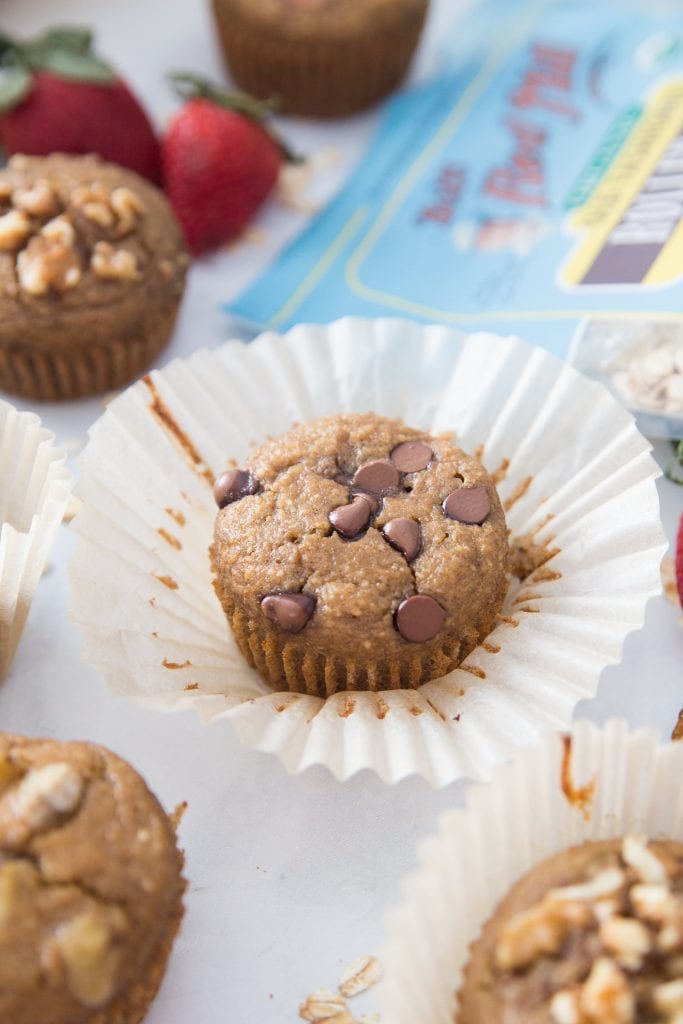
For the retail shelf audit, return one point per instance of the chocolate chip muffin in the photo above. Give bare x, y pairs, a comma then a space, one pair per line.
355, 553
90, 886
593, 935
92, 270
320, 58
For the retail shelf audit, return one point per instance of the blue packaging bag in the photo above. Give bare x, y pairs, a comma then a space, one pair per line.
533, 188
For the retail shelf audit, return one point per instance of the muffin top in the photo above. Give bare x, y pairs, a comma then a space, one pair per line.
363, 535
89, 879
85, 246
325, 18
593, 935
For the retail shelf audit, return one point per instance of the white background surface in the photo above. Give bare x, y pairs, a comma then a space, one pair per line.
289, 877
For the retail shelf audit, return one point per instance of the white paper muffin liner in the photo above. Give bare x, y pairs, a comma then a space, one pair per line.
34, 491
571, 468
505, 828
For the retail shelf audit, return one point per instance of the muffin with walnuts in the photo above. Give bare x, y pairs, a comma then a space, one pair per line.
90, 885
92, 271
356, 553
593, 935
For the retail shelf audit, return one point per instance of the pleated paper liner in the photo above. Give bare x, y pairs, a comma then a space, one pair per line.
595, 784
575, 475
33, 496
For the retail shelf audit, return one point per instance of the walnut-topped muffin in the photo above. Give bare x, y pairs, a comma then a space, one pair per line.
355, 552
90, 886
92, 270
593, 935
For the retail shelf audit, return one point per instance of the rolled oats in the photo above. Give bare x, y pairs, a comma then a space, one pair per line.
359, 975
323, 1004
649, 375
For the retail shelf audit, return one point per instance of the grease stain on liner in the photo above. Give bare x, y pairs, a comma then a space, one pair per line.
580, 797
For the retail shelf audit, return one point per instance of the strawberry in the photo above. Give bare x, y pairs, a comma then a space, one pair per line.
220, 161
56, 94
679, 560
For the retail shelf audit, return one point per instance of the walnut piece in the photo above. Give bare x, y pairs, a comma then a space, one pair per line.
47, 264
628, 940
606, 996
37, 201
668, 998
647, 865
15, 227
653, 903
127, 207
537, 932
87, 948
37, 802
116, 211
93, 202
113, 264
60, 229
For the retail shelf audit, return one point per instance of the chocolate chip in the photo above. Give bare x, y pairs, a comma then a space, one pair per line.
405, 535
411, 456
372, 501
232, 485
378, 477
419, 618
350, 520
342, 478
289, 611
468, 505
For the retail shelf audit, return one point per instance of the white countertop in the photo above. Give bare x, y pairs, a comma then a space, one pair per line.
289, 877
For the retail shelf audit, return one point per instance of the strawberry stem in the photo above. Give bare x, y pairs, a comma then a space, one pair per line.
192, 87
65, 51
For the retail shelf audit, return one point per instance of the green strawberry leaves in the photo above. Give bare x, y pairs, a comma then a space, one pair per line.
193, 87
15, 84
65, 51
674, 471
